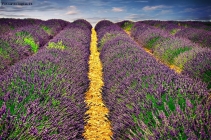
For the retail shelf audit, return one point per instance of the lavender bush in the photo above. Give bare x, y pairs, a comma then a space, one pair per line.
9, 24
169, 48
173, 50
125, 24
108, 36
24, 41
201, 37
200, 67
53, 26
195, 24
183, 58
83, 23
147, 100
169, 26
42, 97
191, 30
147, 35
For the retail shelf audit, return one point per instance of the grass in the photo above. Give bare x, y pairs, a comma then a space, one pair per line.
127, 26
151, 119
57, 45
12, 27
22, 33
151, 42
18, 109
46, 29
27, 39
206, 77
167, 106
30, 41
5, 49
174, 31
106, 38
170, 54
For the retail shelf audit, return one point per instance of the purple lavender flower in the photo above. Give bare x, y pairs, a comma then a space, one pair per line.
2, 109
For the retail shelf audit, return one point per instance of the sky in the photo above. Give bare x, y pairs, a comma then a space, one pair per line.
113, 10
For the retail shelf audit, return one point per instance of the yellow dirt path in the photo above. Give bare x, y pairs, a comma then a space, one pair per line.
98, 126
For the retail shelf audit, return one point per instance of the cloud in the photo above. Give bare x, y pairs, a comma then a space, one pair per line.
73, 10
102, 11
46, 6
92, 20
165, 12
97, 3
57, 14
95, 20
138, 17
116, 9
151, 8
13, 15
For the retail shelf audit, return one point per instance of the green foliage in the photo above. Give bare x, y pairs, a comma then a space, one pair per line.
20, 86
30, 41
106, 38
58, 45
46, 29
174, 31
55, 102
179, 63
12, 27
206, 77
22, 34
129, 106
167, 106
133, 84
157, 25
151, 42
207, 24
170, 54
27, 39
5, 49
127, 26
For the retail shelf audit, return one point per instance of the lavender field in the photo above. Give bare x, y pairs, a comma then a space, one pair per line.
156, 79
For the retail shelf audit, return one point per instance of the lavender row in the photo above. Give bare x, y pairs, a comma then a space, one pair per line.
199, 36
42, 97
199, 67
147, 100
195, 24
106, 31
179, 24
9, 24
53, 26
125, 24
25, 41
196, 35
175, 51
169, 26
